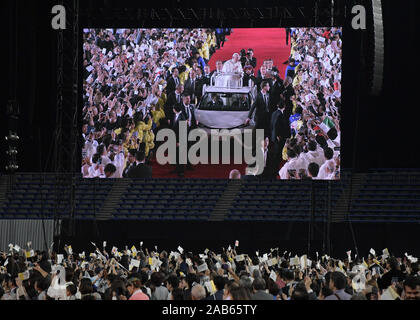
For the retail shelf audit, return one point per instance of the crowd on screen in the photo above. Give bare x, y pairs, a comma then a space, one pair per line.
133, 78
301, 113
133, 274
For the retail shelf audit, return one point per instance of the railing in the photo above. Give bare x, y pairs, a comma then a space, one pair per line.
220, 75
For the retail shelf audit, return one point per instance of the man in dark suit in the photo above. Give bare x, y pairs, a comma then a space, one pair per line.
248, 75
140, 170
188, 111
287, 36
261, 107
276, 87
178, 117
219, 68
206, 75
280, 132
201, 80
173, 99
173, 81
259, 287
280, 128
263, 75
288, 92
131, 162
192, 85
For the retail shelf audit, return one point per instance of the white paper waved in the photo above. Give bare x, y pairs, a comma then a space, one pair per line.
202, 268
273, 275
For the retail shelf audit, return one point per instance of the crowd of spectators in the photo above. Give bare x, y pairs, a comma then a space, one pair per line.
132, 274
313, 100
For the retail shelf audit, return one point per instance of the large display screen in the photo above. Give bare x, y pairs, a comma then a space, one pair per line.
212, 103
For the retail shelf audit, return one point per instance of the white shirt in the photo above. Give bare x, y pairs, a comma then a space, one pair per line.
315, 156
293, 164
119, 164
323, 174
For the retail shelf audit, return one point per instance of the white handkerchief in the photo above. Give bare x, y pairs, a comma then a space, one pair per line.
320, 53
273, 275
180, 249
309, 58
89, 68
202, 268
188, 261
104, 50
135, 263
372, 251
60, 258
240, 257
272, 262
294, 261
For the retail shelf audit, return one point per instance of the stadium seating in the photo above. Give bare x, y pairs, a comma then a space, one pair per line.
384, 196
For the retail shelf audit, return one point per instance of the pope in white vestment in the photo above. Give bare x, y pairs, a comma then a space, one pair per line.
233, 65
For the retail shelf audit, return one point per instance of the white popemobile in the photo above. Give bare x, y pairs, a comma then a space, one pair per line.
226, 102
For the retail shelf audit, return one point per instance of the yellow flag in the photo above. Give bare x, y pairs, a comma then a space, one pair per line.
150, 261
213, 287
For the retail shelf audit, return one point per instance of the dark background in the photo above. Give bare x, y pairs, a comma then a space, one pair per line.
382, 134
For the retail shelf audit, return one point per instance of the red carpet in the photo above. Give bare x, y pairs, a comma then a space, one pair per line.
266, 43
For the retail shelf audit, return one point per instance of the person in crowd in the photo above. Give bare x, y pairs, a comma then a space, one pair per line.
140, 170
134, 288
235, 175
259, 293
412, 288
261, 107
337, 285
198, 292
